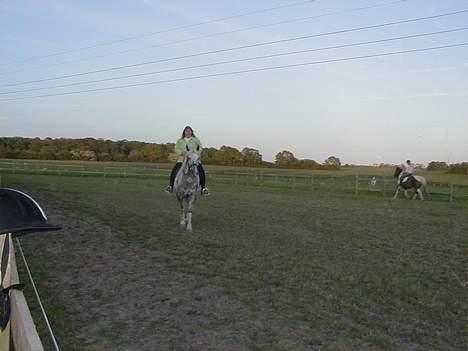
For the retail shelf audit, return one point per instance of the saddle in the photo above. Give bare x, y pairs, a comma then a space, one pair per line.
410, 181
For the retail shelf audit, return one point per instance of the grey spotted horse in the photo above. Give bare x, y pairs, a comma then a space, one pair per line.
187, 186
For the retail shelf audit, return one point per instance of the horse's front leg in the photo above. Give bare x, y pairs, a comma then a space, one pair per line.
189, 221
182, 213
189, 214
396, 193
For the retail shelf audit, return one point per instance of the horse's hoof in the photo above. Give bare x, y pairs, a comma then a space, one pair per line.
189, 229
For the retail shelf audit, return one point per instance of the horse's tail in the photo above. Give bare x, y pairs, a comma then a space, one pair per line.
425, 187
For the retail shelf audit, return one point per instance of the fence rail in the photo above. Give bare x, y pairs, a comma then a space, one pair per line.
356, 184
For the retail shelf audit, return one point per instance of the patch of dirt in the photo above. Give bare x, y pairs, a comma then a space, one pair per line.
122, 297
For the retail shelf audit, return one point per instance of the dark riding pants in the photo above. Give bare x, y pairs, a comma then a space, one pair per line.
201, 174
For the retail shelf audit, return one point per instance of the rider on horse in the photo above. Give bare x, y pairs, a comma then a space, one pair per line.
407, 172
187, 142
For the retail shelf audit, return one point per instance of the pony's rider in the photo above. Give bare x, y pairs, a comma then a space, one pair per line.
187, 142
407, 171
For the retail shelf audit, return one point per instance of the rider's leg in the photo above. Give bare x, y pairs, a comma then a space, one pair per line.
201, 174
174, 171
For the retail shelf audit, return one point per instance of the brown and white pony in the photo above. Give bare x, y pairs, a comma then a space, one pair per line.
417, 183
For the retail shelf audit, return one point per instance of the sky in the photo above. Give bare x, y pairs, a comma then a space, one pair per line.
369, 110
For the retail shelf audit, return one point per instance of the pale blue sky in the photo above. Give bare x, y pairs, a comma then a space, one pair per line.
384, 109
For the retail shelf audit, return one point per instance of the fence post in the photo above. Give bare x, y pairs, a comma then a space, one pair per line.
4, 243
293, 182
356, 189
312, 182
451, 190
383, 186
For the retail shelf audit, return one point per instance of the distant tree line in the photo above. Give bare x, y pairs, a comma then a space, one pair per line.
90, 149
456, 168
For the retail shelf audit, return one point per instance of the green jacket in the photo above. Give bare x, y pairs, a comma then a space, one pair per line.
181, 147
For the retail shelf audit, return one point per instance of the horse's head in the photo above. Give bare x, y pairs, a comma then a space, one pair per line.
191, 161
397, 172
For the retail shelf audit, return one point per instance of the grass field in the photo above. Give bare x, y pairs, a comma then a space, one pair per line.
271, 265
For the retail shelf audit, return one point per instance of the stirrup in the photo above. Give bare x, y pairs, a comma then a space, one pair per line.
205, 191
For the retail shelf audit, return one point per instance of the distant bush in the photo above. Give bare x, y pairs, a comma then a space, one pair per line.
459, 168
437, 166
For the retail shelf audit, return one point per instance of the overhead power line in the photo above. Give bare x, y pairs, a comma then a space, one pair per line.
242, 60
384, 54
170, 30
239, 48
300, 19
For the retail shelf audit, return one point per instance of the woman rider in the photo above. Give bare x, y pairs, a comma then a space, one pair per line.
187, 142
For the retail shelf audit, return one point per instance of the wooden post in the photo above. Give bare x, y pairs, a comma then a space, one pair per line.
383, 186
23, 330
293, 182
4, 334
451, 191
356, 190
312, 182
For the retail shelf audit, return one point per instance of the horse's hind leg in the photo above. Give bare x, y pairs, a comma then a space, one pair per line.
420, 194
396, 193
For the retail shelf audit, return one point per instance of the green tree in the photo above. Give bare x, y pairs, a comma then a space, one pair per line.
437, 166
332, 162
308, 164
229, 156
286, 159
251, 157
459, 168
209, 156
